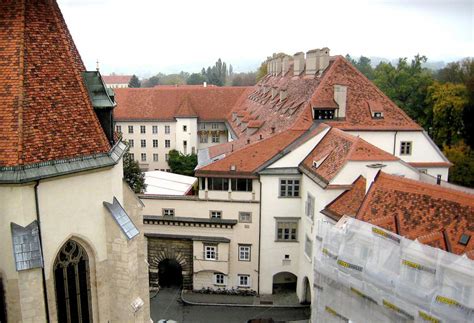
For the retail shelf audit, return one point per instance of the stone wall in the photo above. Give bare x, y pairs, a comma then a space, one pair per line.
177, 249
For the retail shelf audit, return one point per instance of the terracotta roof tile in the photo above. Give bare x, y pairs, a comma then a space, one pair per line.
348, 203
46, 113
185, 109
213, 103
433, 214
116, 79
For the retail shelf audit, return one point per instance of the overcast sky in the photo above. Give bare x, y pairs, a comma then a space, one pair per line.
150, 36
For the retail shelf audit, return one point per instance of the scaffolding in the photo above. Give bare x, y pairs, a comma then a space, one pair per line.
364, 273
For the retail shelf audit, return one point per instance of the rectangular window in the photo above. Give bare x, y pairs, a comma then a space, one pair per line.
131, 143
155, 157
155, 143
119, 129
289, 187
203, 138
142, 129
210, 252
286, 230
167, 129
202, 183
323, 114
130, 129
132, 156
215, 137
202, 126
167, 157
143, 157
185, 128
308, 247
168, 170
244, 280
154, 129
405, 148
167, 143
215, 126
218, 184
167, 212
143, 143
242, 184
219, 279
244, 252
215, 214
245, 217
310, 206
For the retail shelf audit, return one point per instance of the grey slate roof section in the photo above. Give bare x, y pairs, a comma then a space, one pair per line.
33, 172
26, 246
122, 219
101, 96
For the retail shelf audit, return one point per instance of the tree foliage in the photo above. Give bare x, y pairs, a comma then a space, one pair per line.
363, 64
262, 71
462, 156
182, 164
132, 174
216, 74
244, 79
134, 81
196, 79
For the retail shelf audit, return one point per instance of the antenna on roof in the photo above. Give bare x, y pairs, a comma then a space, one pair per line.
97, 65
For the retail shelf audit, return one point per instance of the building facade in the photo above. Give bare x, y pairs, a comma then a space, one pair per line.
117, 81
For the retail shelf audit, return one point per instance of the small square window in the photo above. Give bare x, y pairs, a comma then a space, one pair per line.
215, 214
405, 148
155, 143
130, 129
215, 126
131, 143
210, 252
167, 143
154, 129
215, 137
286, 230
167, 129
155, 157
244, 280
244, 252
119, 129
245, 217
203, 138
143, 157
143, 143
219, 279
168, 212
142, 129
289, 187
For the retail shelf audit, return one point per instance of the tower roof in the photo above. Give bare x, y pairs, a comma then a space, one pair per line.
46, 113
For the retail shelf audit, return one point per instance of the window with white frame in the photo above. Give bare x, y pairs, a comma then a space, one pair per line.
308, 247
142, 129
244, 252
155, 157
203, 138
119, 129
289, 187
143, 143
167, 143
167, 129
286, 230
167, 157
130, 129
131, 143
219, 279
215, 126
310, 206
210, 252
168, 212
243, 280
143, 157
215, 214
155, 143
405, 147
245, 217
215, 137
154, 129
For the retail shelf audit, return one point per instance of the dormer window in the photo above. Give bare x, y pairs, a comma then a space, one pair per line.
376, 109
324, 114
377, 115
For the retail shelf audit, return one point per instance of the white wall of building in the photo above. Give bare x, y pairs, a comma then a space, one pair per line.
186, 133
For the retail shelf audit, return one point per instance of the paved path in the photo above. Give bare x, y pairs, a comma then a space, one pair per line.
165, 305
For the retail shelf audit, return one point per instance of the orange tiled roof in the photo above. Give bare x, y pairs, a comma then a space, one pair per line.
116, 79
336, 149
434, 215
45, 113
348, 203
212, 103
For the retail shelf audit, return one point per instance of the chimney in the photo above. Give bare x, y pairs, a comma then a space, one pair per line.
283, 94
323, 59
269, 67
278, 65
204, 84
286, 65
298, 63
340, 96
274, 67
274, 92
312, 61
371, 172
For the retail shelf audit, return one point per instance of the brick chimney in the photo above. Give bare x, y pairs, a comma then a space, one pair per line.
340, 97
286, 64
323, 59
298, 63
312, 61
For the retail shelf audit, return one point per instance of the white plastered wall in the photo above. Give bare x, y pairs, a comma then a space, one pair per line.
190, 135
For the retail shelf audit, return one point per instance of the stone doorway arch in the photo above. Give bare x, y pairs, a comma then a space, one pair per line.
170, 273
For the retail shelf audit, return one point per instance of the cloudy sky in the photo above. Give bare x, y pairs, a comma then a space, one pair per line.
150, 36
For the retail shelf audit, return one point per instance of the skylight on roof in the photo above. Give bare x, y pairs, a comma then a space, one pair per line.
122, 219
464, 240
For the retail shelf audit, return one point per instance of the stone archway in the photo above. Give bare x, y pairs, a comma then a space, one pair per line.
306, 299
178, 251
284, 282
170, 273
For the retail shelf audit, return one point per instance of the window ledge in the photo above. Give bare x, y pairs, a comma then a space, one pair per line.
290, 241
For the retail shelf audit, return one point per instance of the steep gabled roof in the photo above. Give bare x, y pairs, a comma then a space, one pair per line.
208, 103
434, 215
336, 149
45, 113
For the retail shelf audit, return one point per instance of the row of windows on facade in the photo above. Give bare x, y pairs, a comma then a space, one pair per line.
222, 184
143, 157
211, 252
244, 217
131, 143
154, 129
242, 280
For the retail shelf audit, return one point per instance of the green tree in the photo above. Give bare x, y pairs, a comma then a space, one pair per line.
406, 84
132, 174
448, 102
462, 157
364, 65
244, 79
262, 71
196, 79
182, 164
134, 81
152, 81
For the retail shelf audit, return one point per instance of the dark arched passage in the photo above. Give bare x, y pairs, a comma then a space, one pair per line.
284, 282
306, 292
170, 273
3, 305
